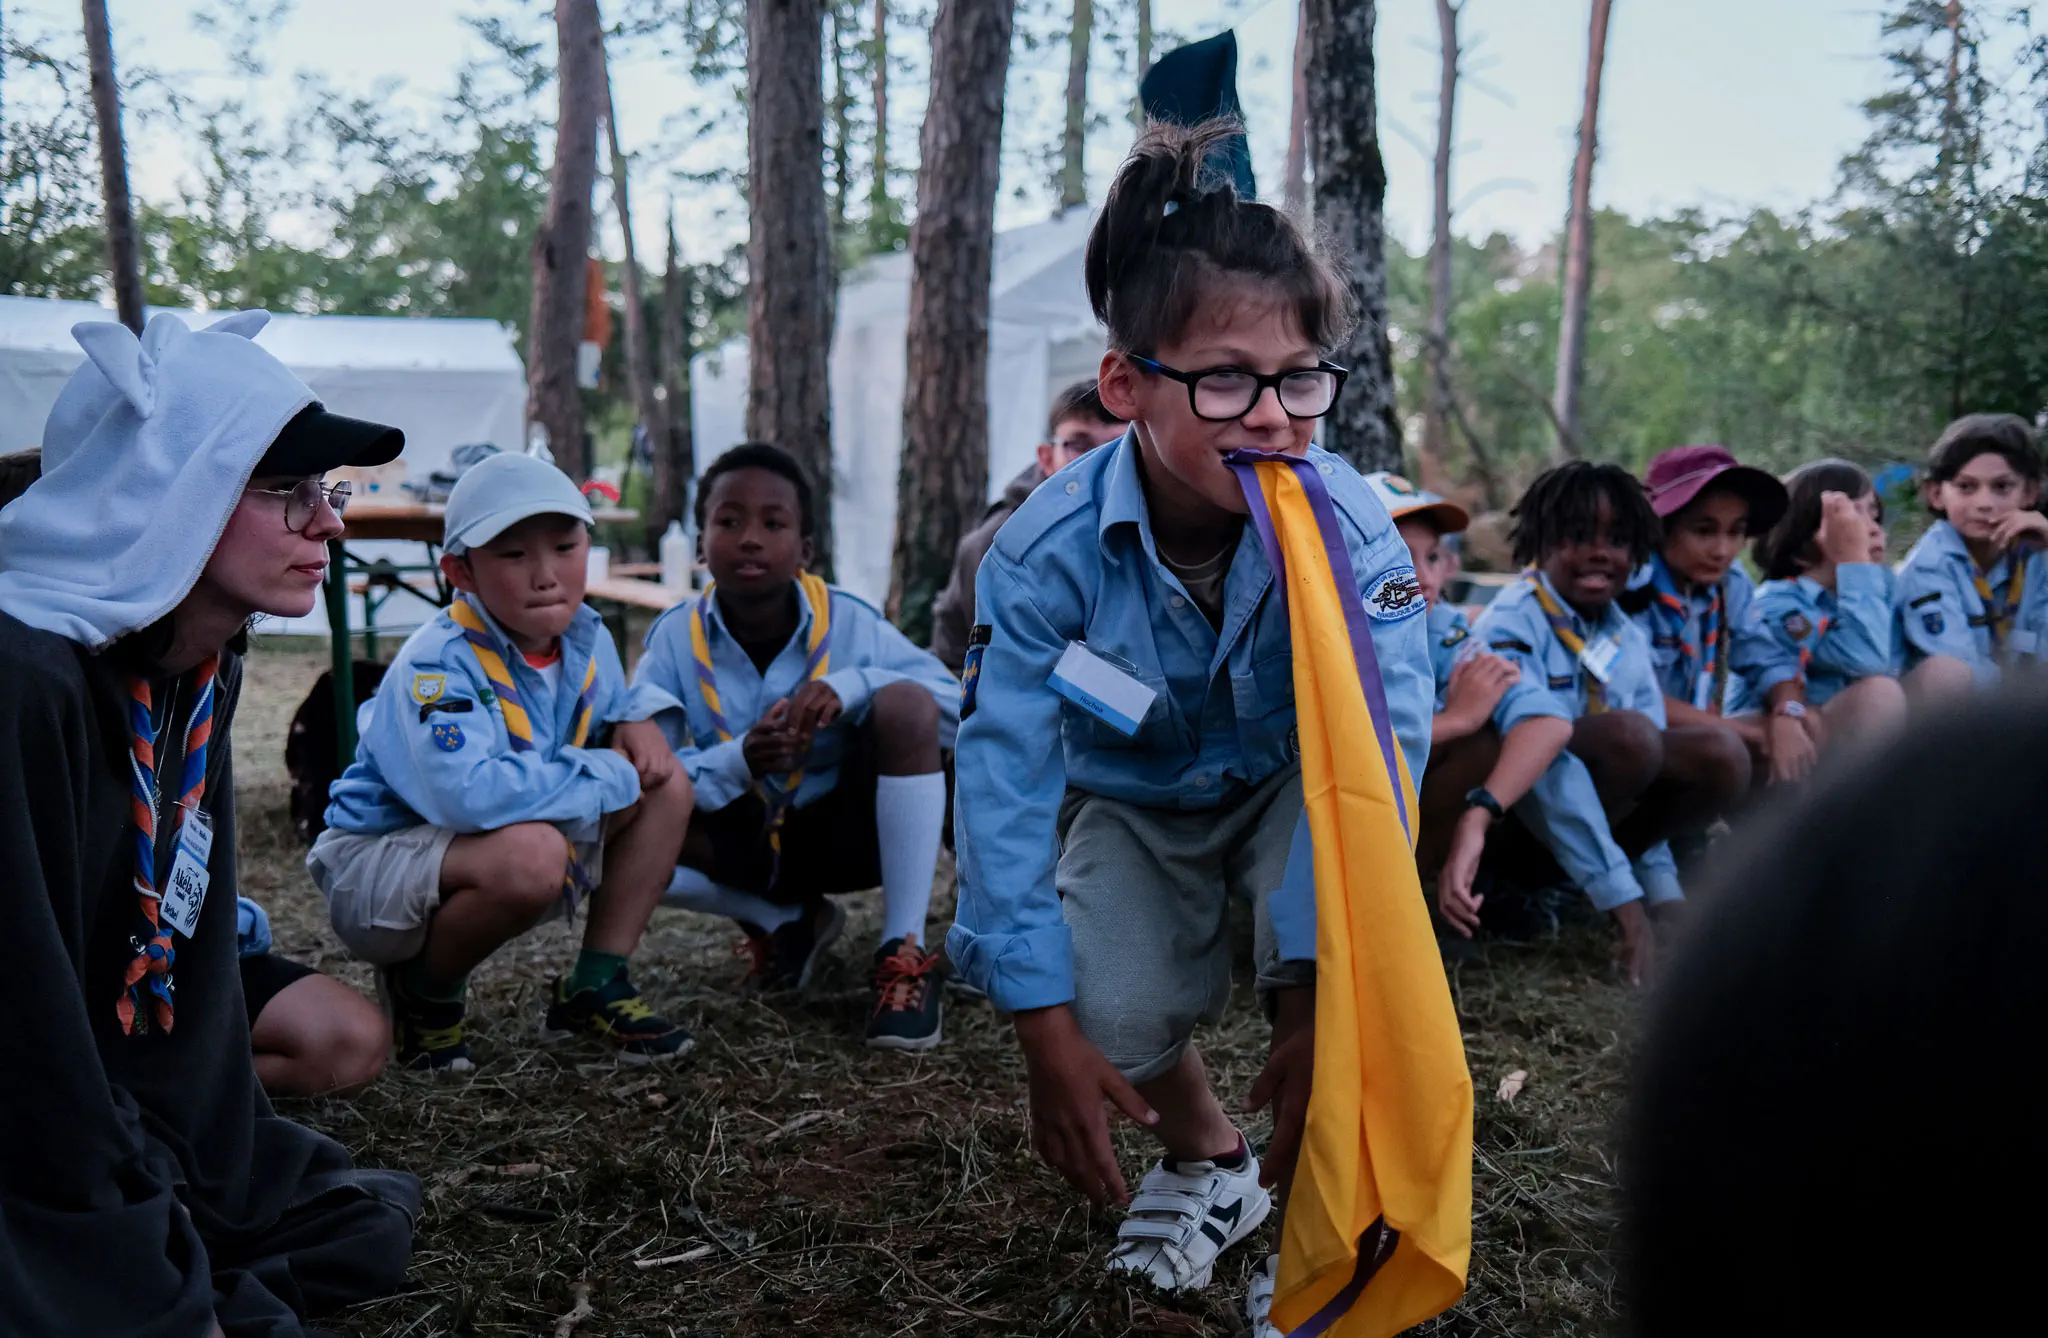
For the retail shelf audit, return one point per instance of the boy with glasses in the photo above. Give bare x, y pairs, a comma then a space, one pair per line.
506, 771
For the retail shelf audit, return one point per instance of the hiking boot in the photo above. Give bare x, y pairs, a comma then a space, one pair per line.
784, 959
908, 999
618, 1016
426, 1033
1184, 1214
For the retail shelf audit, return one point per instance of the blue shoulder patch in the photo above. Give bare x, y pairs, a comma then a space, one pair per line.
448, 736
1932, 621
970, 669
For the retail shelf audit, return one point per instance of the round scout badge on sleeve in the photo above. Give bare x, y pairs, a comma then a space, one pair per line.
1395, 596
1797, 627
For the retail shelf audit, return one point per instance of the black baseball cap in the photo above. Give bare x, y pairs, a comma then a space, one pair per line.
315, 441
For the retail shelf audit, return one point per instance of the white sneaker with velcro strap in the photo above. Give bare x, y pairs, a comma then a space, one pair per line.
1258, 1302
1184, 1215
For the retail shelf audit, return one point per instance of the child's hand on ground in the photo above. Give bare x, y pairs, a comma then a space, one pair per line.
1069, 1081
642, 744
1844, 534
1455, 899
812, 707
2026, 523
1792, 750
1478, 682
770, 746
1284, 1083
1636, 952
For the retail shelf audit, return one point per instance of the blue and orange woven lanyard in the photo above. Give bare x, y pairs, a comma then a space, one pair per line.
777, 793
1710, 653
147, 980
1568, 636
512, 709
1998, 613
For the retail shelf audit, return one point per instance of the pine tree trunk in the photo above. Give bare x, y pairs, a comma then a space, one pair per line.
1296, 189
562, 246
943, 476
881, 209
647, 406
789, 246
1074, 144
842, 123
124, 251
1578, 251
1436, 351
1350, 204
675, 459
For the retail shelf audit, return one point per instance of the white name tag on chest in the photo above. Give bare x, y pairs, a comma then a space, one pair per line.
1598, 658
185, 891
2024, 643
1101, 689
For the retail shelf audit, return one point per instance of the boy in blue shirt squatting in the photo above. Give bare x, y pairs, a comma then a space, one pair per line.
505, 770
1973, 594
1586, 760
1827, 599
1128, 759
811, 730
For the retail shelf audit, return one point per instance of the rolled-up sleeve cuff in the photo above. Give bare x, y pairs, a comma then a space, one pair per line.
1527, 703
1771, 675
853, 689
1034, 969
1616, 887
643, 701
1658, 874
719, 774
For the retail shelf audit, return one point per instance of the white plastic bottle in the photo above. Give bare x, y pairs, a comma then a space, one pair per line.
675, 557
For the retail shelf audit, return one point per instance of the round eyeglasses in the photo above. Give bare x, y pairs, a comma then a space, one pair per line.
302, 502
1224, 394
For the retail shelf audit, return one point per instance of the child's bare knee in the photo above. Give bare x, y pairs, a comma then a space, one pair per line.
1624, 748
361, 1042
532, 860
1720, 760
905, 708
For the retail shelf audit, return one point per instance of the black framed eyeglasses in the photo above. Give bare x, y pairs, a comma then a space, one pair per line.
302, 502
1223, 394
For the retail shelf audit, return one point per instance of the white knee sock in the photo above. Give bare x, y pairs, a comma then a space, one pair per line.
909, 810
693, 890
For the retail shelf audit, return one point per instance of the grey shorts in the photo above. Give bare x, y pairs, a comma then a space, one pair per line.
381, 888
1146, 892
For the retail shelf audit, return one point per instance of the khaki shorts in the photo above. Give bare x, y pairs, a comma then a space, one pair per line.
381, 888
1146, 892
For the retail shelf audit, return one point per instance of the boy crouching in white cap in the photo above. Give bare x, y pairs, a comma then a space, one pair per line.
506, 770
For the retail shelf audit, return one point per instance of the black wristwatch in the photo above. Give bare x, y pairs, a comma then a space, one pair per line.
1481, 797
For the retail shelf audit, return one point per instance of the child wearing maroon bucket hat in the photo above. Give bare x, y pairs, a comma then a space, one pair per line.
1697, 606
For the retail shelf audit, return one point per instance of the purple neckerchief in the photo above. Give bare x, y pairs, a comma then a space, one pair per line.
1242, 463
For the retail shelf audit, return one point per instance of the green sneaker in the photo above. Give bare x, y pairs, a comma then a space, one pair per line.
618, 1016
427, 1033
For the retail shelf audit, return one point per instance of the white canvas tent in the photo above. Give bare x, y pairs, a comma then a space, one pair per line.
1042, 337
445, 382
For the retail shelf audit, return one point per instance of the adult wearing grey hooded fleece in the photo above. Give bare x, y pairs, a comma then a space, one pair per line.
146, 1188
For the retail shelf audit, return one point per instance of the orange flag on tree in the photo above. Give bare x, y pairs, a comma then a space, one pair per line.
1379, 1223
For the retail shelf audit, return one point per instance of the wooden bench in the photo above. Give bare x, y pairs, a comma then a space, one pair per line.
635, 593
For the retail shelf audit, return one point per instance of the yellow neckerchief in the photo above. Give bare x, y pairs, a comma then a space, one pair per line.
511, 706
1998, 614
778, 794
1568, 637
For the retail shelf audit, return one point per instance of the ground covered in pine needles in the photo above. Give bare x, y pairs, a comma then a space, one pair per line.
785, 1179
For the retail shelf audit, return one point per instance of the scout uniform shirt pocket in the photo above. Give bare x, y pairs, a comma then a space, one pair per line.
1101, 690
1264, 698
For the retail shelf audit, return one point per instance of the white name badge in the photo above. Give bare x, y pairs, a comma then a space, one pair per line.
2024, 643
1101, 689
1598, 657
185, 891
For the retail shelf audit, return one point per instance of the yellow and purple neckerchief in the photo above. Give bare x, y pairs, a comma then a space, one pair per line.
1998, 613
148, 977
1710, 653
778, 794
518, 722
1568, 637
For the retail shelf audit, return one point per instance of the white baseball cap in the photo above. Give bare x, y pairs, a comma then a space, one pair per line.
1403, 499
497, 493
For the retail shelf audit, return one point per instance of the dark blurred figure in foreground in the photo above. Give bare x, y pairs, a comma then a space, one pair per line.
1831, 1121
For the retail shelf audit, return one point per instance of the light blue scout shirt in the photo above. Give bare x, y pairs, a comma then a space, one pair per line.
434, 747
1563, 808
1448, 630
1077, 562
1756, 661
864, 653
1941, 612
1841, 635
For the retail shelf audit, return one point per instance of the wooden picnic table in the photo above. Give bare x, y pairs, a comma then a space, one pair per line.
405, 522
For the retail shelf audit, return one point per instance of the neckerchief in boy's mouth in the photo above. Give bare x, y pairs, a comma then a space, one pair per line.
518, 723
778, 793
1998, 613
1568, 637
1710, 680
148, 977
